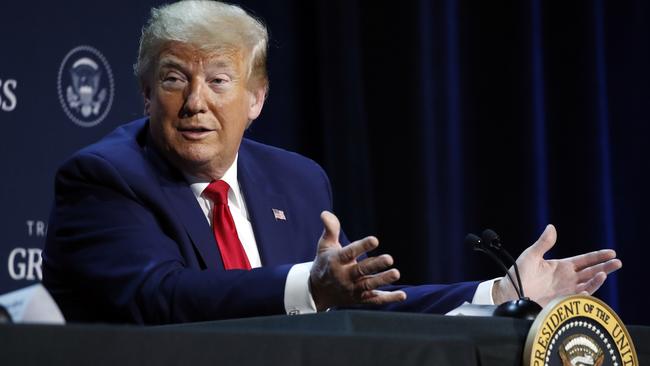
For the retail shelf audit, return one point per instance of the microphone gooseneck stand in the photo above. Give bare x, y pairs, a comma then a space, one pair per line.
490, 244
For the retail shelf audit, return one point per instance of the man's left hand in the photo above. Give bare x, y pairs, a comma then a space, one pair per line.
543, 280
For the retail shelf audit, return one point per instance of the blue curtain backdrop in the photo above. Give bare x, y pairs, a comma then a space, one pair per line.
433, 118
437, 118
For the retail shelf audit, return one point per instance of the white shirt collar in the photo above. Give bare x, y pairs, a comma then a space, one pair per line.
197, 185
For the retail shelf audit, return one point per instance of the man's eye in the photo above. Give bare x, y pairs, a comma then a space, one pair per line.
171, 79
220, 80
173, 82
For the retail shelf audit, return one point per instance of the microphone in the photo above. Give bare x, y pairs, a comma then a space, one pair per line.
480, 246
523, 308
492, 239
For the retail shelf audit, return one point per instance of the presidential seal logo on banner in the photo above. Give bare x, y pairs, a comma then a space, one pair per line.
85, 86
579, 330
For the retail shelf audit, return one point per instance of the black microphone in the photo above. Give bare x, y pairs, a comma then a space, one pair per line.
492, 239
481, 246
523, 308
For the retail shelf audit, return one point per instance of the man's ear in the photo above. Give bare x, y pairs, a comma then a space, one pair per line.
258, 96
146, 95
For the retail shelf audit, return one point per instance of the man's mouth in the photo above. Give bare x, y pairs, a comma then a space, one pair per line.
195, 133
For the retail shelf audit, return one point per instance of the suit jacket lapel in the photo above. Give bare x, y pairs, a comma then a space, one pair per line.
273, 235
186, 209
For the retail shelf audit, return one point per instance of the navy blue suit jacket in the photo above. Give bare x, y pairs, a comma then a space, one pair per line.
128, 242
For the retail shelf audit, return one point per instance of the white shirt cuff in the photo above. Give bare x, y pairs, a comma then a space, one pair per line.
297, 296
483, 294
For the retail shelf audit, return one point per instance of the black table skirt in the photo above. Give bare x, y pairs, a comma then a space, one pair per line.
335, 338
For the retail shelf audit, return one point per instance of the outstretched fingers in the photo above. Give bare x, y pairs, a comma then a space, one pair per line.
332, 227
592, 285
370, 266
590, 259
338, 278
350, 252
546, 241
607, 267
369, 283
379, 297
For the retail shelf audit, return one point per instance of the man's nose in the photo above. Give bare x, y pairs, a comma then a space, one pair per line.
195, 102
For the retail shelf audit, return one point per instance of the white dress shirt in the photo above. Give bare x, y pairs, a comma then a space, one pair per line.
297, 296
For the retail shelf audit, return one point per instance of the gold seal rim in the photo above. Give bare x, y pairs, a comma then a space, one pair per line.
550, 308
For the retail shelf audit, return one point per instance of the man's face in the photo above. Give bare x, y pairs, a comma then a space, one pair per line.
199, 106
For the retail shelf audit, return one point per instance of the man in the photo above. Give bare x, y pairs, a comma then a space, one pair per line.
176, 217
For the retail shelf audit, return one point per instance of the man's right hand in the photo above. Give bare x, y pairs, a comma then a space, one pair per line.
337, 279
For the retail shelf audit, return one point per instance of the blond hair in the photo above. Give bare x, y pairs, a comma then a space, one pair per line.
208, 25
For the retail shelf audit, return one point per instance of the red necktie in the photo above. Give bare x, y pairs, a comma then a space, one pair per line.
232, 252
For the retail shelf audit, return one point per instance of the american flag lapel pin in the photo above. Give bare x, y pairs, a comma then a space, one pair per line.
279, 214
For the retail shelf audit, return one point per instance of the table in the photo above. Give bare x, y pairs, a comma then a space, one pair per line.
334, 338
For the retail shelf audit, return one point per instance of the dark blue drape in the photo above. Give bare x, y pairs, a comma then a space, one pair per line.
435, 118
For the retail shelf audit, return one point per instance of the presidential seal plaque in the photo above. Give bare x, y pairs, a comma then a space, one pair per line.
579, 330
